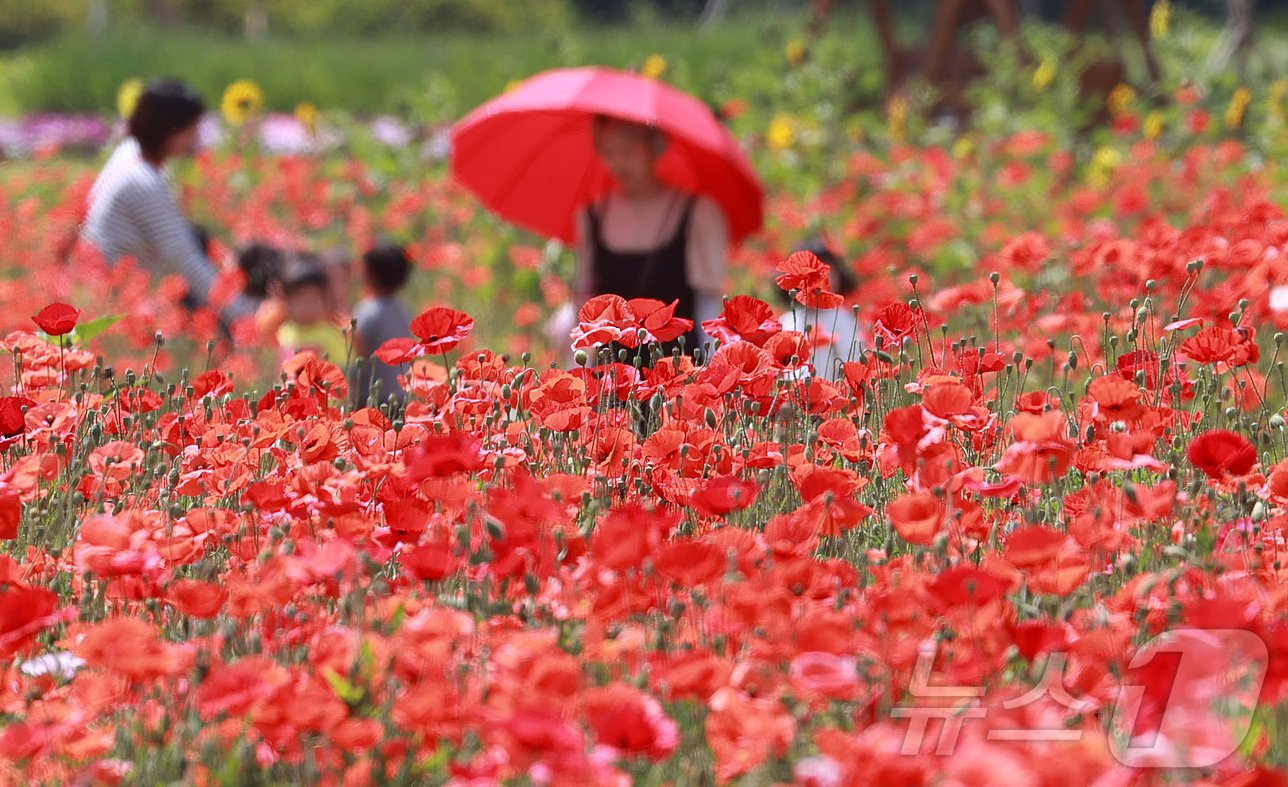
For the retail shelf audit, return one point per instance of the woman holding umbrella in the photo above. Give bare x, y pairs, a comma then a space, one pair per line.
649, 239
644, 179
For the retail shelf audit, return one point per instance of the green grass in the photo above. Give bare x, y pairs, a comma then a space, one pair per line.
79, 72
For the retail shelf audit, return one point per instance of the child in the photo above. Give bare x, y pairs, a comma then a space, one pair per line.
836, 333
261, 264
381, 316
308, 325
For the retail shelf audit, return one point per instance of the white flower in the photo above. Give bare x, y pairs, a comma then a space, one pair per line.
61, 664
391, 132
1279, 298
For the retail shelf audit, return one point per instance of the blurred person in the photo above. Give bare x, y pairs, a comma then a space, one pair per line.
379, 317
835, 333
309, 324
133, 211
647, 239
261, 265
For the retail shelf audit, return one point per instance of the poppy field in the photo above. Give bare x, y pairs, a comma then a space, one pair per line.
937, 566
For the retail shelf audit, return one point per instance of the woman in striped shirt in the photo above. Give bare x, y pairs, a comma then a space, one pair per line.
133, 211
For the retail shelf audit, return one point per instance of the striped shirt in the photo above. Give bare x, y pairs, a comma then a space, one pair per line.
133, 213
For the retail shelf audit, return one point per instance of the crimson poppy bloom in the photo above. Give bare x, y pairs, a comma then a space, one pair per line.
400, 350
811, 280
24, 613
918, 517
724, 495
13, 421
431, 562
691, 562
1220, 453
744, 319
631, 722
948, 399
659, 319
439, 456
896, 322
57, 319
441, 328
1116, 398
1220, 346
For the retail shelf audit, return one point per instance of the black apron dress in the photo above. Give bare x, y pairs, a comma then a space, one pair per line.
661, 274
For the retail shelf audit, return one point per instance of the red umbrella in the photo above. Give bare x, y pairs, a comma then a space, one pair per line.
529, 154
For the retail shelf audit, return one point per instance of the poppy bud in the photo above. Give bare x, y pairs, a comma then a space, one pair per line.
994, 277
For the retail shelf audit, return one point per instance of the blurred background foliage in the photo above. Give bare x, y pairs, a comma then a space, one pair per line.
429, 61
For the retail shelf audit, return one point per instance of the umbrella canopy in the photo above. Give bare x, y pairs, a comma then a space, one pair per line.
530, 156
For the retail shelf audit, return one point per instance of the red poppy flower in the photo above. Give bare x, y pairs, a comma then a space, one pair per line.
918, 517
198, 599
1231, 347
1116, 398
826, 675
895, 322
1034, 544
439, 456
628, 534
13, 421
441, 328
1026, 252
691, 562
659, 319
24, 613
811, 280
431, 562
948, 399
237, 689
744, 319
967, 585
790, 349
1220, 453
724, 495
400, 350
10, 513
631, 722
57, 319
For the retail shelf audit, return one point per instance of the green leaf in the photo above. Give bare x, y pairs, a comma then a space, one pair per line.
343, 689
94, 328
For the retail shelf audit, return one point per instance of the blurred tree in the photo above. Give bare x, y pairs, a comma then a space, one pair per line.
24, 20
715, 11
1236, 39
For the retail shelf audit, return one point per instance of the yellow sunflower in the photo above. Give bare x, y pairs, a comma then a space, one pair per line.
307, 114
654, 66
782, 133
1238, 106
1160, 19
1045, 73
242, 100
796, 52
127, 96
1153, 127
1121, 99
